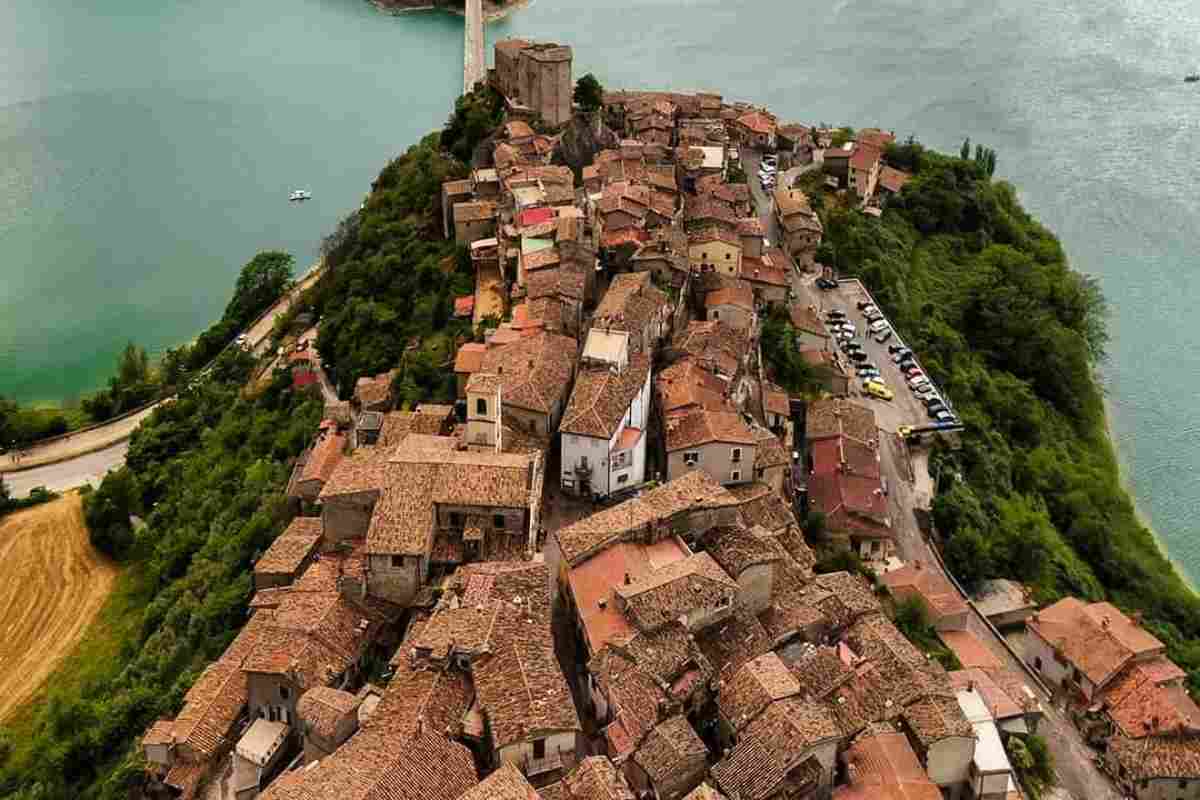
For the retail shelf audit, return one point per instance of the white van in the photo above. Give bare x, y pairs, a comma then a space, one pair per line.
878, 327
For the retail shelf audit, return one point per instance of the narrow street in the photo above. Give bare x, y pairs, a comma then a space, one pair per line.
1074, 760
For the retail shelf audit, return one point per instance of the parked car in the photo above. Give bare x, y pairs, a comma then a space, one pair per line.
897, 348
858, 356
825, 283
867, 366
903, 354
917, 381
877, 389
945, 416
835, 313
875, 317
884, 335
869, 310
851, 346
863, 305
934, 407
878, 327
911, 370
847, 326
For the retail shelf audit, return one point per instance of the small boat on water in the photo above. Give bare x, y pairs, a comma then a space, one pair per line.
300, 194
1192, 78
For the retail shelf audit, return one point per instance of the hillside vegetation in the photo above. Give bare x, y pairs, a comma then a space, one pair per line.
986, 296
208, 472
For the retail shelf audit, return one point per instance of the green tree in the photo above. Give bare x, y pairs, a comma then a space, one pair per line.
263, 280
589, 94
965, 152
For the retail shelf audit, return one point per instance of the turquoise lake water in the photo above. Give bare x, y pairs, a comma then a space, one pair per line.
146, 152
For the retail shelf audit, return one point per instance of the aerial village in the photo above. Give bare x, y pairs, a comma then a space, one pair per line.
590, 579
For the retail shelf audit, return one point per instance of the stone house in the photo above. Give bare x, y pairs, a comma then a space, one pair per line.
756, 129
349, 496
777, 407
810, 331
733, 305
604, 428
946, 609
289, 555
327, 718
533, 375
474, 220
718, 442
772, 462
634, 305
443, 507
1156, 767
1082, 646
715, 248
749, 691
316, 465
671, 761
258, 756
881, 763
453, 193
795, 144
535, 78
789, 750
747, 555
716, 348
467, 361
799, 225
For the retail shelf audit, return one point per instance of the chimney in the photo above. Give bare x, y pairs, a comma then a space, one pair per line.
1105, 621
627, 579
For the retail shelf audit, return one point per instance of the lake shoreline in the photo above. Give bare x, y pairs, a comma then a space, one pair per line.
492, 12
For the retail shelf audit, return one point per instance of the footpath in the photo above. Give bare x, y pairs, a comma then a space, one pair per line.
106, 434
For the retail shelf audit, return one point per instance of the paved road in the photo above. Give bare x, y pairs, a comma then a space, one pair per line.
474, 57
84, 457
90, 468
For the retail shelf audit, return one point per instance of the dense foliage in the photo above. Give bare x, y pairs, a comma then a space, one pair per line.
475, 116
985, 295
387, 298
780, 356
588, 94
8, 503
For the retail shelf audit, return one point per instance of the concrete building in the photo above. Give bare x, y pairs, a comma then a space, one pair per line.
604, 426
991, 775
733, 305
717, 442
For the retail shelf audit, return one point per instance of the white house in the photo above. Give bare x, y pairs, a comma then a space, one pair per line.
604, 427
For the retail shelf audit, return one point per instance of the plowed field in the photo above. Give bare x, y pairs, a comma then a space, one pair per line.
52, 584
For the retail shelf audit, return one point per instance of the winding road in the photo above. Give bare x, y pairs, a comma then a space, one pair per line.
86, 456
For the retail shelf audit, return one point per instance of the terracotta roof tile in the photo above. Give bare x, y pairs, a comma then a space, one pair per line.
1157, 756
699, 427
755, 686
936, 717
630, 303
685, 384
535, 371
693, 491
741, 296
769, 451
758, 122
730, 644
290, 549
673, 590
366, 470
470, 357
778, 742
928, 583
1142, 705
1003, 692
736, 549
672, 748
595, 778
601, 398
884, 767
1096, 638
893, 179
714, 345
323, 707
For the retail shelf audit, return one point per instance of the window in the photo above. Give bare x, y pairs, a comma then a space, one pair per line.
498, 521
760, 472
716, 314
736, 475
704, 255
481, 406
284, 692
727, 256
583, 462
691, 457
455, 519
1182, 784
1037, 663
737, 454
723, 602
539, 748
271, 715
397, 561
624, 478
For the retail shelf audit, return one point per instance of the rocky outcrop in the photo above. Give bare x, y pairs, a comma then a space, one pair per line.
582, 138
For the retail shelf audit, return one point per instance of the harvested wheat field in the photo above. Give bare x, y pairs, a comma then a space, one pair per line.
52, 585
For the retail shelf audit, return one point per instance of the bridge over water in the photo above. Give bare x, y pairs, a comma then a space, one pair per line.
474, 55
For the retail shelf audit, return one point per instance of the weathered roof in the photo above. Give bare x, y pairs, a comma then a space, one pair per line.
474, 211
685, 384
772, 746
893, 179
324, 457
736, 549
522, 689
769, 451
1146, 700
506, 783
427, 471
714, 233
630, 303
673, 590
700, 426
535, 370
693, 491
1157, 756
757, 122
602, 396
595, 778
730, 644
1002, 691
670, 749
714, 345
740, 295
1096, 638
470, 357
366, 470
290, 549
755, 686
928, 583
936, 717
882, 766
323, 707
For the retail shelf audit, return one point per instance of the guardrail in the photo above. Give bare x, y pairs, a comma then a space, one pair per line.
63, 437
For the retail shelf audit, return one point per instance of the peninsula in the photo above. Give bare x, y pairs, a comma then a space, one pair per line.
641, 444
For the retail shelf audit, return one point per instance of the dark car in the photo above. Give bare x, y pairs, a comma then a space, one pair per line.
825, 283
864, 304
851, 346
859, 355
835, 313
896, 348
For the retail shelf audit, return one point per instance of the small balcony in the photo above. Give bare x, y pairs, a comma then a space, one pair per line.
554, 759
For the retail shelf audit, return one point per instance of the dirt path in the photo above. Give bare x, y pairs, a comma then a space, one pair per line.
52, 585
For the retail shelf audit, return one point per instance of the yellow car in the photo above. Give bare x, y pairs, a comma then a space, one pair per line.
877, 389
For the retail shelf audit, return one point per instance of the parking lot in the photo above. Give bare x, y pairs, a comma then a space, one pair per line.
905, 408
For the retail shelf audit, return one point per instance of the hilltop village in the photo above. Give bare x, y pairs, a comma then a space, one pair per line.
602, 574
